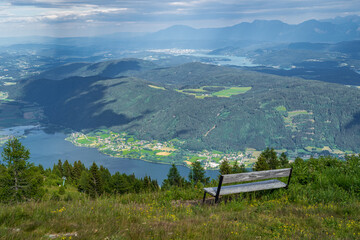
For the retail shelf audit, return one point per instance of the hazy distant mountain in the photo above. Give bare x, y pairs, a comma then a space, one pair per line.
329, 30
339, 29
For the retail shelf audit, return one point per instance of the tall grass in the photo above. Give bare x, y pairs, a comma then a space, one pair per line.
322, 202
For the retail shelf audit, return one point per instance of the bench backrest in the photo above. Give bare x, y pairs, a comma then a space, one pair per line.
259, 175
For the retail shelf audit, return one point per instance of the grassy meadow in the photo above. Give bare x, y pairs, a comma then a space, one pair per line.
161, 216
322, 202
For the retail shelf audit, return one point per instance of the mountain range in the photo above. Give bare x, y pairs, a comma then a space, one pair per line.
179, 36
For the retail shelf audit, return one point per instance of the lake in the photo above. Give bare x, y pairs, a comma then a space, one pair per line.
46, 149
225, 60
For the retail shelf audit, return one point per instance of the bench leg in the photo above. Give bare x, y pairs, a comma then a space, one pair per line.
204, 197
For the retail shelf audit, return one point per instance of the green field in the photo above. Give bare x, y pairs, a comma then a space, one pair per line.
212, 91
290, 120
231, 91
105, 135
84, 141
281, 109
195, 158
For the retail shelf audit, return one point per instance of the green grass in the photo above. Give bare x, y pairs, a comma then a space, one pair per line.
84, 141
281, 109
193, 90
105, 135
216, 152
322, 202
231, 91
161, 216
194, 158
201, 93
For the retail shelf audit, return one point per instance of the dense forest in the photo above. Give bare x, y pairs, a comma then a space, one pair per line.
183, 102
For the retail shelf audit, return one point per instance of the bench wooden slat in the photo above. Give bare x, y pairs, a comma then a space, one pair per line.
247, 187
259, 175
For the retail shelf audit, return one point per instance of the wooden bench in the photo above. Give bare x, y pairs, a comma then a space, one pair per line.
249, 187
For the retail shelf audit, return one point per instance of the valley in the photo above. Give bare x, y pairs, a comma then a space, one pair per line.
223, 99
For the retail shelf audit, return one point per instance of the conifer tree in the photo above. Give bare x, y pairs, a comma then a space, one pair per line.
267, 160
154, 185
225, 167
261, 164
120, 183
83, 183
106, 178
67, 169
284, 161
271, 158
197, 173
174, 178
19, 179
76, 171
238, 169
60, 168
95, 184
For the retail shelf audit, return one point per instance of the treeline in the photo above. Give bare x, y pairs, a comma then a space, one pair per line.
326, 179
21, 180
97, 180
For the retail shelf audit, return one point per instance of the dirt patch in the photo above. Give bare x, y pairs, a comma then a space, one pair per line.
163, 153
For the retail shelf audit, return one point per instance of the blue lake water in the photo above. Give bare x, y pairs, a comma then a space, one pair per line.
46, 149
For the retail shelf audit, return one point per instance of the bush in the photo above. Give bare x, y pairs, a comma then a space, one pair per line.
55, 197
61, 190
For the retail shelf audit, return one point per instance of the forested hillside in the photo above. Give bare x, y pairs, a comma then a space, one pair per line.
211, 107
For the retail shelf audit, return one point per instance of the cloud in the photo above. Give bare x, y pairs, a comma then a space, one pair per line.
143, 14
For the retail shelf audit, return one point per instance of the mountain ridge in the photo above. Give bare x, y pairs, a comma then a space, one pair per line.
283, 112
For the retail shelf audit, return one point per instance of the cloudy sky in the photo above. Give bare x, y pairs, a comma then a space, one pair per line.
63, 18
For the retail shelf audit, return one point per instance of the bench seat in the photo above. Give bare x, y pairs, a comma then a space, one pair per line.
246, 187
267, 175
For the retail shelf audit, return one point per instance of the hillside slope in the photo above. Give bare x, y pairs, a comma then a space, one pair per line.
109, 69
197, 102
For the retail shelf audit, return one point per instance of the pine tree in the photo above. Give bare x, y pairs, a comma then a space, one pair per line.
284, 161
83, 185
120, 183
60, 168
106, 178
197, 173
225, 167
267, 160
261, 164
271, 158
19, 180
76, 171
96, 187
238, 169
154, 185
67, 169
174, 178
